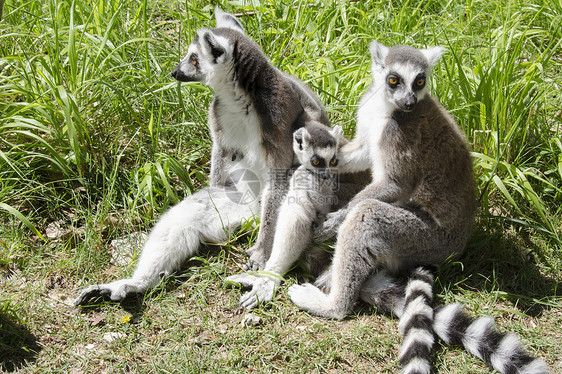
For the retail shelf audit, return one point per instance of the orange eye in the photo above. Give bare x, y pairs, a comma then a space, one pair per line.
194, 62
333, 162
393, 81
315, 162
420, 82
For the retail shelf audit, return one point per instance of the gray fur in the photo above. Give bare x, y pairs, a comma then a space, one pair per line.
404, 54
311, 196
420, 206
255, 110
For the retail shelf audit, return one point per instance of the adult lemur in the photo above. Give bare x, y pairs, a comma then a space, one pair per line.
418, 210
254, 112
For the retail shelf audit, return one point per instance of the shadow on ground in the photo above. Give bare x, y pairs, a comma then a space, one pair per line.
508, 266
18, 346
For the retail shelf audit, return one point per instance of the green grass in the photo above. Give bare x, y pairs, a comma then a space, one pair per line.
96, 136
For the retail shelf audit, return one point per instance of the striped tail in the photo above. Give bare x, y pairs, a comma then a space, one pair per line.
416, 323
502, 352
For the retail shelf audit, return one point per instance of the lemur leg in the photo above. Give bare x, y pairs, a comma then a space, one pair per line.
292, 236
374, 234
272, 197
209, 215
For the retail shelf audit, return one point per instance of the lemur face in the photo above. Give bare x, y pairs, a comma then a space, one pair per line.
405, 85
402, 72
210, 52
189, 69
317, 149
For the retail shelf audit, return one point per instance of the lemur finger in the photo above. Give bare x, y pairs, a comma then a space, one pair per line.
87, 294
249, 300
244, 280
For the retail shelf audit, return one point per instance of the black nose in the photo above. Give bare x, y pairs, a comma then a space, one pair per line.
409, 102
325, 174
175, 72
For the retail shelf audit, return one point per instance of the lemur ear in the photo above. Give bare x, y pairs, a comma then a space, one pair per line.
433, 55
301, 136
227, 20
212, 44
378, 53
336, 131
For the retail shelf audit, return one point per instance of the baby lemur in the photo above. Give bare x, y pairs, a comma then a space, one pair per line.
418, 210
311, 196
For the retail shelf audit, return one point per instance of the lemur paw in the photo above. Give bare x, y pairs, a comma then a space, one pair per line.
256, 262
115, 291
100, 291
328, 229
306, 296
244, 280
323, 232
263, 291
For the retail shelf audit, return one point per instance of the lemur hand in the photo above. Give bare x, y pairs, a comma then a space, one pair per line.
257, 259
329, 228
115, 291
262, 288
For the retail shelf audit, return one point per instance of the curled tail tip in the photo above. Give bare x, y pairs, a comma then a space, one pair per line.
480, 337
510, 356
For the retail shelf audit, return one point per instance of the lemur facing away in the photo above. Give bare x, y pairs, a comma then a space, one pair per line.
254, 112
418, 210
311, 196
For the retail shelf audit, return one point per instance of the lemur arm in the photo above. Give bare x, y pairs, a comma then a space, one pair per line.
387, 190
271, 199
354, 157
218, 175
218, 161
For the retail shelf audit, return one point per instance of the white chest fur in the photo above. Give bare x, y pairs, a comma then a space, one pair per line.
241, 131
372, 116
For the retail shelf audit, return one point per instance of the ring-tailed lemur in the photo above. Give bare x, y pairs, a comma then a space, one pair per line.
311, 196
254, 112
418, 210
409, 299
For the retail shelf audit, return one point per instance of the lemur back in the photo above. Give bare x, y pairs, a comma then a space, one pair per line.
418, 211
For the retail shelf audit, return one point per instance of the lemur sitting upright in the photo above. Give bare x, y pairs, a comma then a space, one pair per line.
311, 196
254, 112
417, 211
